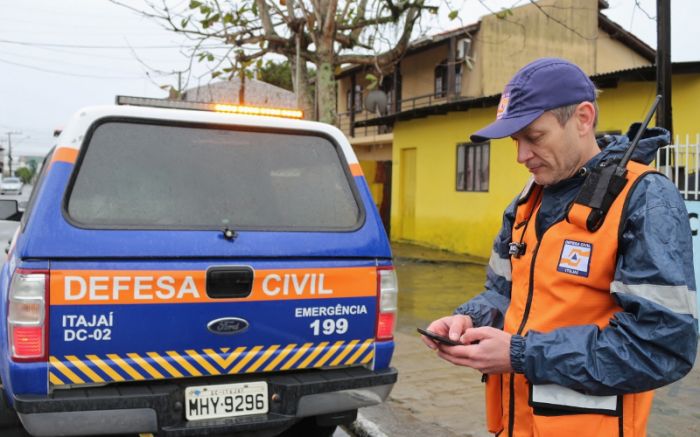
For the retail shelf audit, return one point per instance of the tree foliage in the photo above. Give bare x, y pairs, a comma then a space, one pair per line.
276, 73
325, 34
24, 174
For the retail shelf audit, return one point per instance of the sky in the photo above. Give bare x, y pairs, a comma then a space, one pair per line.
59, 56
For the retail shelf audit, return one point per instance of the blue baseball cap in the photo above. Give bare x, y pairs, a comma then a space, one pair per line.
540, 86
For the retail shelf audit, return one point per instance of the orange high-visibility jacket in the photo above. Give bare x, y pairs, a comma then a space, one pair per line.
564, 279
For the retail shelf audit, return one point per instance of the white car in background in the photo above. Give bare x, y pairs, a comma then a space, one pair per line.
11, 186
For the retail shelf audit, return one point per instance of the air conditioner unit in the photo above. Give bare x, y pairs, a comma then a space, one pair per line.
463, 47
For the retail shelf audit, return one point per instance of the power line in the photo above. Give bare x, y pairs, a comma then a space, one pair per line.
60, 11
57, 62
67, 73
52, 27
80, 46
638, 5
13, 27
31, 129
99, 55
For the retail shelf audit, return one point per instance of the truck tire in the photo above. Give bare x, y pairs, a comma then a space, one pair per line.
8, 416
309, 427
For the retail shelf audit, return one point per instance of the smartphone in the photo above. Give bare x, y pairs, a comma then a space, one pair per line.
438, 338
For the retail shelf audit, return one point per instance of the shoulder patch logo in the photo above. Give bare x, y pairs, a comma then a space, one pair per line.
575, 258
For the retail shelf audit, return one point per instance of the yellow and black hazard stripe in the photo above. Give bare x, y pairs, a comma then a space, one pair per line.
86, 369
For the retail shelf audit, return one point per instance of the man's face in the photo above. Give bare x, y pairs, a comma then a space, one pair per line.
550, 151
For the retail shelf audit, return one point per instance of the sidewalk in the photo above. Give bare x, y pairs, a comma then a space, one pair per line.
432, 397
436, 398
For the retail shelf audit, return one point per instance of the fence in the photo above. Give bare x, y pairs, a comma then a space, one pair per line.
680, 162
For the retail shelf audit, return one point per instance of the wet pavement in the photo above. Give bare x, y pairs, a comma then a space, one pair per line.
436, 398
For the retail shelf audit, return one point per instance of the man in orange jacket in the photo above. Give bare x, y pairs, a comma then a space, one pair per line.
577, 327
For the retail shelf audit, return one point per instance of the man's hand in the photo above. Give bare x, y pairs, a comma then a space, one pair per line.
451, 326
490, 355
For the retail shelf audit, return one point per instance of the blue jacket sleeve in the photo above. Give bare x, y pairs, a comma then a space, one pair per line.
653, 340
489, 307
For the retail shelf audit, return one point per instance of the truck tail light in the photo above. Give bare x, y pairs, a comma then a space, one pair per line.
27, 315
388, 289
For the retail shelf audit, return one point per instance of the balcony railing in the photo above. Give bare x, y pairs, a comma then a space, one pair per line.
421, 101
345, 119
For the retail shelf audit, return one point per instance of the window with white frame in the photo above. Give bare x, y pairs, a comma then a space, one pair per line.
473, 166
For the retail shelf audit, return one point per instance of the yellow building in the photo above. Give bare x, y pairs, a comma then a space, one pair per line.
430, 207
430, 183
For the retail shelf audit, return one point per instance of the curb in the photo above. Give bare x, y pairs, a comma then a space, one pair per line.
417, 259
424, 254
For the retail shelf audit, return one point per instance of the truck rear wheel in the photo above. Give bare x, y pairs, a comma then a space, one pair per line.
321, 426
309, 427
8, 416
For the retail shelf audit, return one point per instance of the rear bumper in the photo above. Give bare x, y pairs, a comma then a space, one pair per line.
158, 406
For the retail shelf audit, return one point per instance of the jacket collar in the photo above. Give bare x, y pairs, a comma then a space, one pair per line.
613, 147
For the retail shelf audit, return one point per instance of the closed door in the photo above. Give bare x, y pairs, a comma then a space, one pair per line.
408, 194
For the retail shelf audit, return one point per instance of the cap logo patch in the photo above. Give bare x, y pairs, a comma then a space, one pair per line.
503, 105
575, 258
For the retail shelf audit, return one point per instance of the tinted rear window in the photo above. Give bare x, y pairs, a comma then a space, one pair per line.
161, 176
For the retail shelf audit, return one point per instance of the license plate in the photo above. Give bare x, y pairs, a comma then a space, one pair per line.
227, 400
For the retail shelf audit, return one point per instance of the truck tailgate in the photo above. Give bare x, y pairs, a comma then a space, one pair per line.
135, 320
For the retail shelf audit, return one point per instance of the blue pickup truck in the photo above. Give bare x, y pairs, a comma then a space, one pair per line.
196, 272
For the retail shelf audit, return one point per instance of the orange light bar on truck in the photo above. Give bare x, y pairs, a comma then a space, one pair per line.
255, 110
204, 106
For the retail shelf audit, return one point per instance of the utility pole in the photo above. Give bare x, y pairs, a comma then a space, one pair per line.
664, 116
9, 150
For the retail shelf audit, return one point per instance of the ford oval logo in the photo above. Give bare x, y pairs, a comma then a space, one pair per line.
227, 326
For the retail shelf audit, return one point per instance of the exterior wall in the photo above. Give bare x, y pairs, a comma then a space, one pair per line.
418, 72
373, 152
472, 85
529, 34
467, 222
686, 92
621, 106
463, 222
629, 102
612, 55
369, 168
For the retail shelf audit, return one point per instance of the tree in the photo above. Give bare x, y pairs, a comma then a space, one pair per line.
277, 73
25, 174
33, 165
324, 33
